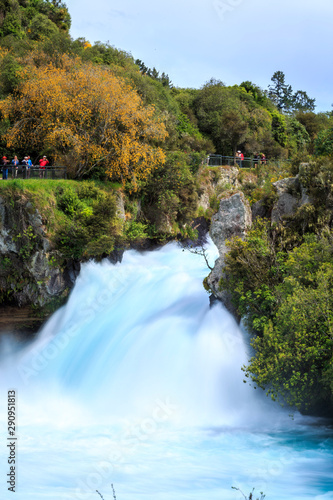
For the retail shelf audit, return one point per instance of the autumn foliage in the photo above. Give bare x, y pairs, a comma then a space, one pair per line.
87, 117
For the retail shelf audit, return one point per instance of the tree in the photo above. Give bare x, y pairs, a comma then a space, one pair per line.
302, 102
223, 115
280, 93
257, 93
283, 97
10, 73
41, 26
324, 143
17, 16
85, 117
279, 128
298, 137
170, 197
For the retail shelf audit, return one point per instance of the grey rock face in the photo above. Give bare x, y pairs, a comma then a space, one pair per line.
223, 177
291, 196
28, 273
259, 210
285, 205
234, 218
120, 206
286, 185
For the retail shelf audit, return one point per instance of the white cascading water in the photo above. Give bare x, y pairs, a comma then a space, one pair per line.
137, 382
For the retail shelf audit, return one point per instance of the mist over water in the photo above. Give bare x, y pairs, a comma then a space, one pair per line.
137, 382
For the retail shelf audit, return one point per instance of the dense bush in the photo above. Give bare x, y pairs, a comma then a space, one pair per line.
280, 279
294, 357
90, 228
170, 195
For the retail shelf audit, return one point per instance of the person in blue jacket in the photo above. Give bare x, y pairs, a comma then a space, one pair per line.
15, 163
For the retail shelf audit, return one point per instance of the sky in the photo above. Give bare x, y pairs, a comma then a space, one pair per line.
230, 40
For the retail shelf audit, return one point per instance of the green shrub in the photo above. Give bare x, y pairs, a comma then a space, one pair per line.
135, 231
170, 193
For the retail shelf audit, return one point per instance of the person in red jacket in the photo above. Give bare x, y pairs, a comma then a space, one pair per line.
42, 164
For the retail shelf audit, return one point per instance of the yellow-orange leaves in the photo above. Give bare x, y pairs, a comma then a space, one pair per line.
85, 116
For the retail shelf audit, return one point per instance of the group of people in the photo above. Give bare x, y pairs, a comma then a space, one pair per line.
239, 157
259, 159
26, 164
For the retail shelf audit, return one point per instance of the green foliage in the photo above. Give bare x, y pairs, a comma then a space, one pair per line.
90, 228
26, 241
136, 231
314, 124
283, 97
100, 247
279, 128
302, 102
222, 114
103, 53
10, 74
317, 178
170, 195
153, 73
280, 280
298, 137
252, 270
12, 25
235, 118
256, 92
69, 202
279, 92
295, 354
41, 26
80, 217
324, 143
33, 18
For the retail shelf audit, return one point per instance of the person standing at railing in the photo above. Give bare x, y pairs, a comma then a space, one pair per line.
241, 159
263, 159
4, 163
237, 157
27, 166
15, 163
255, 160
42, 164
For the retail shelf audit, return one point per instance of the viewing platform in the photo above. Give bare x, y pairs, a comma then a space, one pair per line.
35, 172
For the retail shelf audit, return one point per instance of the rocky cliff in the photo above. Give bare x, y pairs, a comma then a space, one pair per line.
214, 180
232, 219
290, 195
29, 273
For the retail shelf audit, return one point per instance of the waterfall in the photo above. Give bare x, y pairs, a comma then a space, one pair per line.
137, 381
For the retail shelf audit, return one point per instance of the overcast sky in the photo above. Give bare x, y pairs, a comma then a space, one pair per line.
230, 40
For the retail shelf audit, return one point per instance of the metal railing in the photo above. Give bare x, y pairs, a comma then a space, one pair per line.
232, 161
35, 172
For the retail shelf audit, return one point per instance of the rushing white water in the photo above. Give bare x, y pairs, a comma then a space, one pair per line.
136, 381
